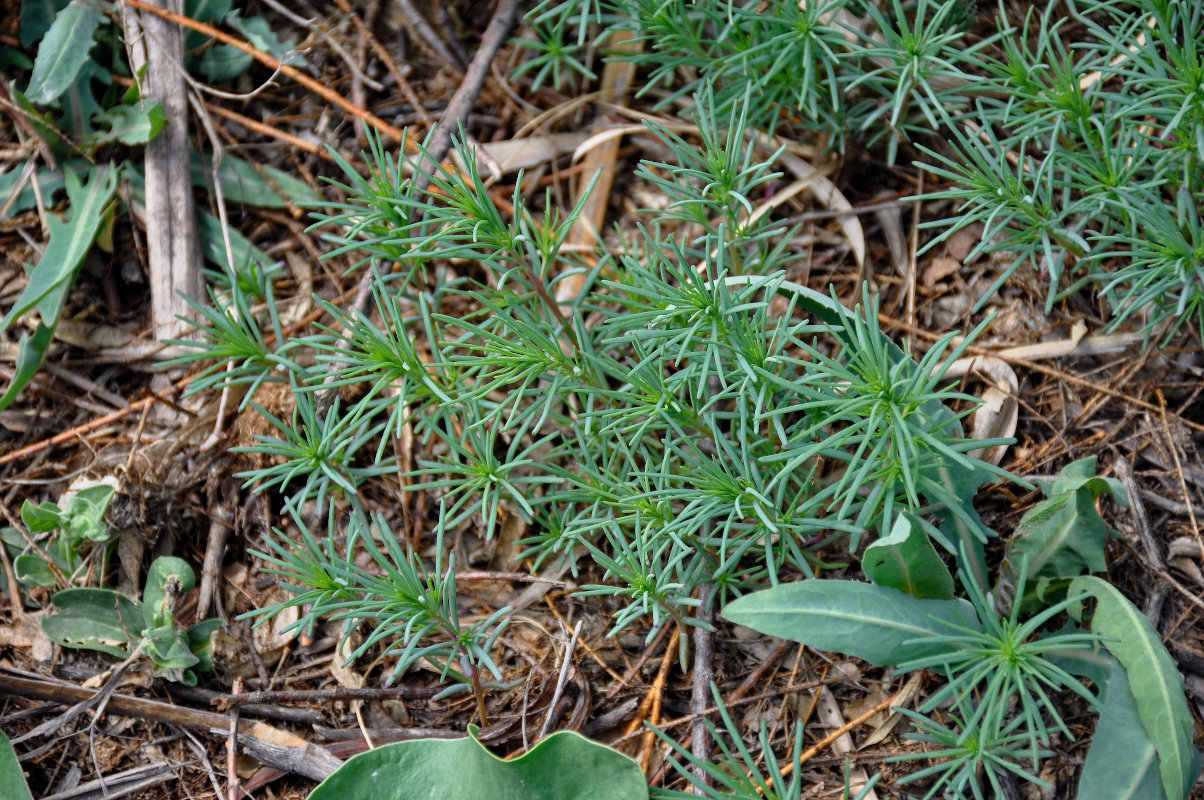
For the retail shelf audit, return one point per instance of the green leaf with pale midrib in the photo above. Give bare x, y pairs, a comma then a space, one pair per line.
876, 623
905, 560
1122, 763
63, 52
1155, 681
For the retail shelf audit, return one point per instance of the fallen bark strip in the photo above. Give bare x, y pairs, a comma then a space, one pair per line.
272, 746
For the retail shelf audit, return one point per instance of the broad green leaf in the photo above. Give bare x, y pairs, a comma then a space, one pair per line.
1062, 537
242, 183
1122, 763
221, 63
960, 526
31, 569
31, 351
1081, 474
1155, 681
564, 766
905, 560
85, 514
63, 52
209, 228
133, 123
41, 122
207, 11
69, 242
168, 648
36, 18
880, 625
95, 619
12, 59
42, 518
50, 183
12, 777
213, 246
166, 581
200, 641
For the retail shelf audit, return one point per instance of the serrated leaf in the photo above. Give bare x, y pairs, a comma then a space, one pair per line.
63, 52
94, 619
1062, 537
11, 775
1122, 763
564, 766
69, 243
31, 352
1155, 681
881, 625
905, 560
130, 123
50, 183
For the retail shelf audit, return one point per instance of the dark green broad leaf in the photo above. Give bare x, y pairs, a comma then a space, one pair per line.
1154, 680
206, 11
53, 276
50, 183
36, 18
80, 105
63, 52
878, 624
95, 619
906, 560
12, 777
221, 63
243, 183
209, 228
564, 766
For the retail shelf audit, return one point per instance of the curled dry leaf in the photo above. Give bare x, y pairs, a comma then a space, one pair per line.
938, 269
999, 412
25, 630
511, 155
